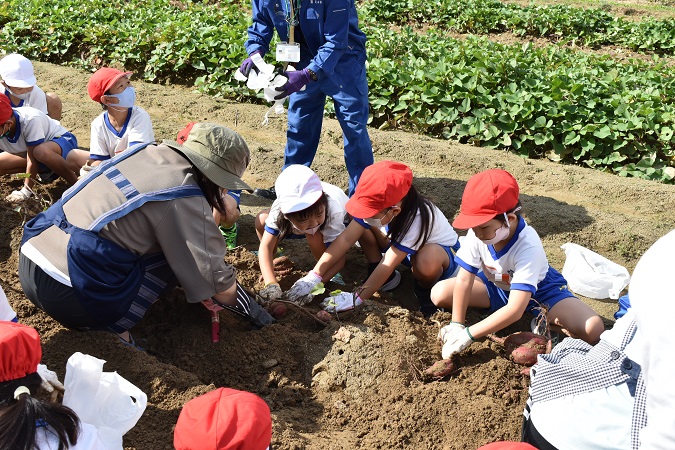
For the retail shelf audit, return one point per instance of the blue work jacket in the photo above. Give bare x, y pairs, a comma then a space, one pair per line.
331, 43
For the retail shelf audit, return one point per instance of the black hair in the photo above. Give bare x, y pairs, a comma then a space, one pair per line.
211, 191
411, 204
515, 210
19, 418
286, 227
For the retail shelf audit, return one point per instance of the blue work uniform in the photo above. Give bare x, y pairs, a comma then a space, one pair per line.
333, 47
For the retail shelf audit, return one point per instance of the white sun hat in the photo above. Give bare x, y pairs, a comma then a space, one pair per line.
17, 71
298, 188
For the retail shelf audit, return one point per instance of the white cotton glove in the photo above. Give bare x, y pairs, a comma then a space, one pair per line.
456, 343
19, 196
343, 301
50, 381
300, 291
448, 330
270, 293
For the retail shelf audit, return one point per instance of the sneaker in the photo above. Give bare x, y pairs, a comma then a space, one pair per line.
423, 295
47, 177
270, 193
230, 235
392, 282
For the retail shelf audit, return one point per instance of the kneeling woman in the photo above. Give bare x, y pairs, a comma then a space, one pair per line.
101, 255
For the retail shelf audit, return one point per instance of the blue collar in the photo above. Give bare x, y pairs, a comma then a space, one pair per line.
119, 134
496, 255
17, 129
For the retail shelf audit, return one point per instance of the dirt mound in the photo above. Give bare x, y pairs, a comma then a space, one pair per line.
362, 390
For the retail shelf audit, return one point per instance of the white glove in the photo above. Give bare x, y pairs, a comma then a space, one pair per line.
343, 301
19, 196
50, 381
300, 291
456, 343
271, 292
84, 170
448, 330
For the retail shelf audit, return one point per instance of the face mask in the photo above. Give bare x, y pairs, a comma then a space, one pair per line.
126, 98
377, 223
23, 96
501, 233
307, 231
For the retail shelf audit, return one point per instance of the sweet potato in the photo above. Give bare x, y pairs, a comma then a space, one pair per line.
438, 370
523, 347
277, 310
324, 316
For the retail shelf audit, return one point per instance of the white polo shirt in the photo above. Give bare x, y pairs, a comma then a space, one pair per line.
521, 265
106, 141
33, 127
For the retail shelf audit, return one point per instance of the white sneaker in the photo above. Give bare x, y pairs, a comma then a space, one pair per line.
393, 282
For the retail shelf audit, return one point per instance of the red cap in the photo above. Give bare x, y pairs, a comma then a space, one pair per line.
224, 419
20, 351
486, 194
380, 186
507, 445
102, 80
5, 108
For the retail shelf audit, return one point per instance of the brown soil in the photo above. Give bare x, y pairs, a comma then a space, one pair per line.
326, 393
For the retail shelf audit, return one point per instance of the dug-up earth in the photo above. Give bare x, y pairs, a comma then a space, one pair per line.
365, 390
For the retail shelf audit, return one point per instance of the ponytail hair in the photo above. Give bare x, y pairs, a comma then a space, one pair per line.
21, 416
411, 204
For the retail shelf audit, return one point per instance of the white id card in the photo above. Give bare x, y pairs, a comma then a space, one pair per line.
288, 52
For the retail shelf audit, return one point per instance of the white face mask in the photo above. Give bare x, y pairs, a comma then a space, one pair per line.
125, 99
376, 223
500, 234
307, 231
23, 96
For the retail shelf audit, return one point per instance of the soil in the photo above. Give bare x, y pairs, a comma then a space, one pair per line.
363, 390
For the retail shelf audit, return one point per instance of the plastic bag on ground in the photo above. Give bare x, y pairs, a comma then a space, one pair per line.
592, 275
105, 400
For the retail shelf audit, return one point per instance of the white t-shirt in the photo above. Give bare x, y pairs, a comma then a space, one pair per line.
36, 99
88, 439
106, 141
335, 222
521, 265
33, 127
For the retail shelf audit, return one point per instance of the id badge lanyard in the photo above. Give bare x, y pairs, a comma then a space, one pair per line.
288, 52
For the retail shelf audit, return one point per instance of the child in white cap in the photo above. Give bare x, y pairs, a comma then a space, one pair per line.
18, 80
121, 125
305, 208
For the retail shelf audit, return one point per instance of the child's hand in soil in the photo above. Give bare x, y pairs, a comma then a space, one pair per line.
341, 302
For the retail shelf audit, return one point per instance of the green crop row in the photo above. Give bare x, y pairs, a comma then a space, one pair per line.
588, 27
564, 105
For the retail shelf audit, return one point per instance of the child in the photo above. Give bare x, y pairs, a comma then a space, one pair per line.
21, 89
416, 229
224, 419
26, 422
305, 208
513, 273
30, 138
120, 125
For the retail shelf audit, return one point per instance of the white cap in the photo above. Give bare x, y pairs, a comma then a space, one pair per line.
17, 71
298, 188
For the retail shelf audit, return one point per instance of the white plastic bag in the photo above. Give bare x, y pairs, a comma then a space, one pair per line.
103, 399
592, 275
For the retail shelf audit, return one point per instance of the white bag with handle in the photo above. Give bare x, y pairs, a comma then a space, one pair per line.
592, 275
105, 400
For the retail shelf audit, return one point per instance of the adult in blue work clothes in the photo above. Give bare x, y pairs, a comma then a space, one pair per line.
332, 62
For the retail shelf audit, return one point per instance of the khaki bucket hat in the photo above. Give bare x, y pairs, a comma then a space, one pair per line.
220, 153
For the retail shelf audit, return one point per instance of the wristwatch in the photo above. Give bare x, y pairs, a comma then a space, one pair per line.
312, 75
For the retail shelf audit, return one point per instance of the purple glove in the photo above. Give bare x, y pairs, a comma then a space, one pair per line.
247, 65
296, 80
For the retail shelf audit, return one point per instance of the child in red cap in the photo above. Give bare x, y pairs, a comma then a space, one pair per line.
30, 140
514, 276
389, 212
121, 125
27, 422
224, 419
